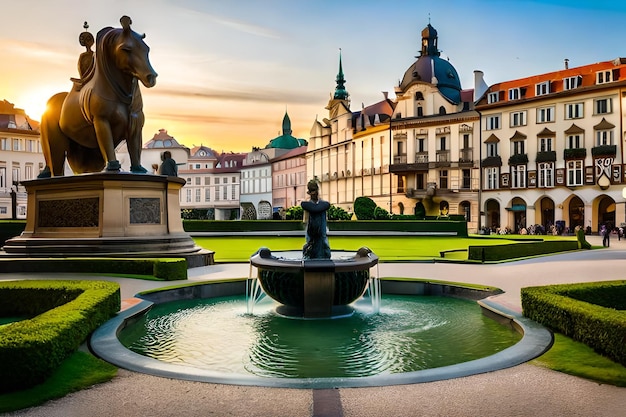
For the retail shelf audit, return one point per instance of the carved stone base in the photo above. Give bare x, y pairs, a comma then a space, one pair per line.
114, 214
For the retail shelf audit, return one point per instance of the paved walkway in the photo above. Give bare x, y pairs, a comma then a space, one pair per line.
524, 390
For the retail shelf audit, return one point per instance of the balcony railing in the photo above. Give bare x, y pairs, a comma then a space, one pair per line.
443, 156
399, 159
421, 158
466, 155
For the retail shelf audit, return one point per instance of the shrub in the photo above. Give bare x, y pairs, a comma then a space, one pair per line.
66, 312
590, 313
294, 213
364, 208
337, 213
381, 214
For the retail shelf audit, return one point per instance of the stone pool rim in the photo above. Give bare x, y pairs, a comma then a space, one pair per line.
105, 344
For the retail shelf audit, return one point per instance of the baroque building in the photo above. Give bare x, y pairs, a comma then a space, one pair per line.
21, 158
552, 149
421, 147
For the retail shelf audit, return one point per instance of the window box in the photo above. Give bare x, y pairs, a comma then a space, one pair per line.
604, 150
492, 161
546, 156
575, 153
518, 159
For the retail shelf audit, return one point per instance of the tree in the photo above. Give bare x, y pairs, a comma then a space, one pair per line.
337, 213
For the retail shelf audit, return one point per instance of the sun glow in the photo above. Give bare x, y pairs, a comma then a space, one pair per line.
34, 102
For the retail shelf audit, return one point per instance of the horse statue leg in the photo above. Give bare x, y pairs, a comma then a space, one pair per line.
134, 140
54, 143
105, 143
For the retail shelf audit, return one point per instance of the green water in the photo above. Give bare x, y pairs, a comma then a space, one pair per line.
410, 333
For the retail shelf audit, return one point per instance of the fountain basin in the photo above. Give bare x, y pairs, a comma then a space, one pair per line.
105, 343
314, 288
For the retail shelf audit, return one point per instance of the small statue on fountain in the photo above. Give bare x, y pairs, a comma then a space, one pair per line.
316, 246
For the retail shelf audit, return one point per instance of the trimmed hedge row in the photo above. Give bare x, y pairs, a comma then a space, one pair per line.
66, 312
458, 228
518, 250
169, 269
242, 225
585, 312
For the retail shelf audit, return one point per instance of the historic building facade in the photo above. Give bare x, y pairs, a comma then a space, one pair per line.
21, 158
421, 147
552, 149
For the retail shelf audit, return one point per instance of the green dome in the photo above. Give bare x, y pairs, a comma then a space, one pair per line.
286, 141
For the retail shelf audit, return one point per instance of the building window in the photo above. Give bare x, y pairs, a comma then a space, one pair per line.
519, 147
3, 177
188, 195
421, 144
518, 118
574, 111
604, 137
233, 193
4, 144
198, 194
518, 176
603, 106
570, 83
207, 180
492, 149
542, 89
16, 144
514, 94
491, 178
225, 193
493, 97
575, 142
467, 179
217, 193
604, 77
493, 122
575, 172
28, 172
197, 180
207, 194
545, 144
443, 179
15, 173
442, 143
546, 174
545, 115
197, 166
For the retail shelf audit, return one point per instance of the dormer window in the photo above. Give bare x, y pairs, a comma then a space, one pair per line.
542, 89
493, 97
603, 77
419, 96
515, 94
571, 83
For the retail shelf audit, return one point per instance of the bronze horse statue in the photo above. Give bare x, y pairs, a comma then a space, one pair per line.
103, 108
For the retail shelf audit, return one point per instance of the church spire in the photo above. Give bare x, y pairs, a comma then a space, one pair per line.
286, 124
340, 90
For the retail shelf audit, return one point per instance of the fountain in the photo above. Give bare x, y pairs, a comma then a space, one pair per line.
317, 285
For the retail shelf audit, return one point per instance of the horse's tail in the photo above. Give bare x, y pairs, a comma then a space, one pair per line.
54, 142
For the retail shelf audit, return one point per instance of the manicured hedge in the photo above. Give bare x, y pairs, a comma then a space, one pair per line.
64, 314
169, 269
11, 228
591, 313
451, 227
242, 225
518, 250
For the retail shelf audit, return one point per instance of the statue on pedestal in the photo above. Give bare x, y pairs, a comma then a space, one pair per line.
103, 108
316, 246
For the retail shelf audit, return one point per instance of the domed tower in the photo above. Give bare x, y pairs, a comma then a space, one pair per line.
431, 68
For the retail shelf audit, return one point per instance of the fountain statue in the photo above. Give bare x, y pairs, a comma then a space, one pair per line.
316, 246
319, 283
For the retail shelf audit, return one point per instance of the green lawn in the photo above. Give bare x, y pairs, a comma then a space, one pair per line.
388, 248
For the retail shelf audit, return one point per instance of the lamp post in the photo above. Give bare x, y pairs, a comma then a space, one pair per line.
14, 200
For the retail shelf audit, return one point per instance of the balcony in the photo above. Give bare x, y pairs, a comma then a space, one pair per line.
492, 161
604, 150
575, 153
421, 158
399, 159
466, 155
518, 159
546, 156
443, 159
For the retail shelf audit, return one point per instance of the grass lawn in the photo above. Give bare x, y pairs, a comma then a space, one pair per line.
79, 371
388, 248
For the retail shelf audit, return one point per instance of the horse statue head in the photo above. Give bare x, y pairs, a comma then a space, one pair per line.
103, 108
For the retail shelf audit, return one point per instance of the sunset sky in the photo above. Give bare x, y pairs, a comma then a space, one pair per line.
228, 70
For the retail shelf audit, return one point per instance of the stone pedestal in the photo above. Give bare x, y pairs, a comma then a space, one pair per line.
114, 214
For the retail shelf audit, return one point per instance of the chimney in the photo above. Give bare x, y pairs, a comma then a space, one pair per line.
480, 86
566, 61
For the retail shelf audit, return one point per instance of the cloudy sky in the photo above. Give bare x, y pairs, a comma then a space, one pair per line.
228, 70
